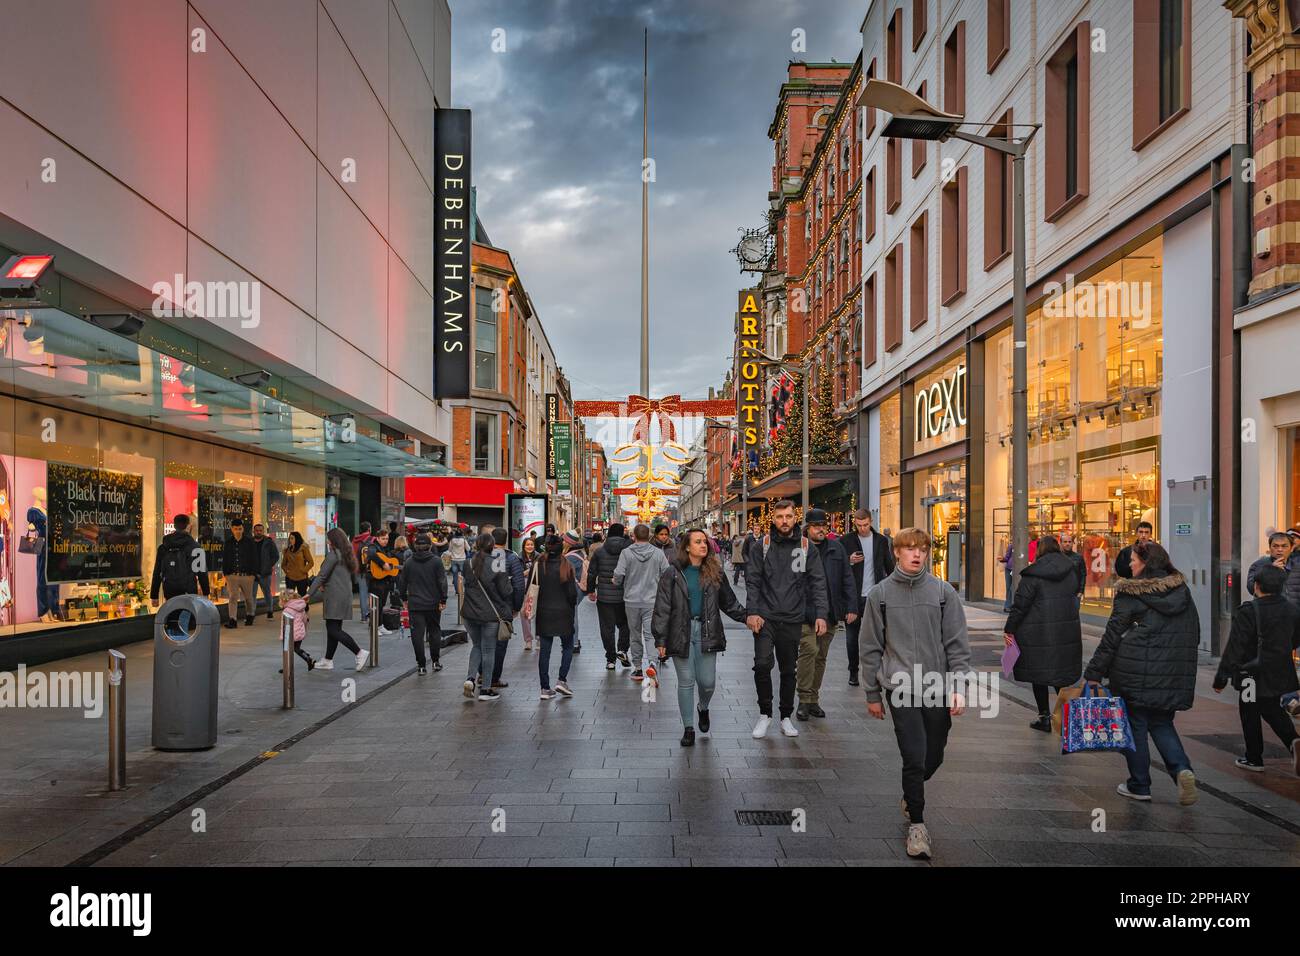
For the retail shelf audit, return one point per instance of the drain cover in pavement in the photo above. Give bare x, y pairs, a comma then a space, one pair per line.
764, 818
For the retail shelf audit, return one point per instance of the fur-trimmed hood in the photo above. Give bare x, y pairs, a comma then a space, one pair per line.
1168, 595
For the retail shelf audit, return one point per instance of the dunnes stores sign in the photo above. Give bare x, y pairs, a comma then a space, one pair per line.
941, 408
552, 414
749, 390
451, 253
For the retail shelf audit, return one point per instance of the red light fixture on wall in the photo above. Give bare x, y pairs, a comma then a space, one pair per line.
19, 275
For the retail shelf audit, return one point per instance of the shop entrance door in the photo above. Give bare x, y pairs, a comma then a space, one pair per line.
944, 517
1189, 545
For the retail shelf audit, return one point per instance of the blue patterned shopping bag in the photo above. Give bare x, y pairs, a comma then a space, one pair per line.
1093, 722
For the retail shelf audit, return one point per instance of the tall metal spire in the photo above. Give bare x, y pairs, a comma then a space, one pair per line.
645, 216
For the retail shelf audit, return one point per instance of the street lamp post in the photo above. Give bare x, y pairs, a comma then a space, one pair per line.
914, 118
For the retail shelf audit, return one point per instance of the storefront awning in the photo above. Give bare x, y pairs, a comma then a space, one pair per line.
52, 356
788, 483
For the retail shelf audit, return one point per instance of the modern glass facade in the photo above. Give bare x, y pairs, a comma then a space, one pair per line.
1095, 375
1095, 363
103, 441
890, 491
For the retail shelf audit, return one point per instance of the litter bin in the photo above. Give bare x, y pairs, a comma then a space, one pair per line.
186, 651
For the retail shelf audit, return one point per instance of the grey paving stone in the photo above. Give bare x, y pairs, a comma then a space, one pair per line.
532, 847
624, 847
295, 851
619, 812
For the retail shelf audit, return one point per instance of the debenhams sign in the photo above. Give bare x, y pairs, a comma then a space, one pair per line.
941, 408
451, 255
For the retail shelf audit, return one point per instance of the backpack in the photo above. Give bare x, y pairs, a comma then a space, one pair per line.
177, 573
767, 540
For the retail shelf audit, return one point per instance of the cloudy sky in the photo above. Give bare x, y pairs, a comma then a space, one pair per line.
557, 163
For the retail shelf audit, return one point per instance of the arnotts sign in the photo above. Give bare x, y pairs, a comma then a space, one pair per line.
749, 391
451, 251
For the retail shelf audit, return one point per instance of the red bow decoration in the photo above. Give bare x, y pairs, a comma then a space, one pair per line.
644, 409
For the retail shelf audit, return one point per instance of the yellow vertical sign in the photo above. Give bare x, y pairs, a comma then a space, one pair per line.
749, 393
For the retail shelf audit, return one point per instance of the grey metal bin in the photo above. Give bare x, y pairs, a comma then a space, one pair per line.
187, 647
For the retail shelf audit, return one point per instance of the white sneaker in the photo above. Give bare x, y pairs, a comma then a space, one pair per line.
469, 688
788, 728
324, 664
362, 658
383, 631
546, 694
918, 841
760, 728
562, 687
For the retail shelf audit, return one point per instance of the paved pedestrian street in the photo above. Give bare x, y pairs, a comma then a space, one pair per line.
419, 775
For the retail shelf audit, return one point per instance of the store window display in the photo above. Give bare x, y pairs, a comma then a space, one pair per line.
890, 464
1095, 363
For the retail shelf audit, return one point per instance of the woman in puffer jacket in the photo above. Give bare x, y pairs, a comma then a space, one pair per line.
1148, 653
693, 595
1044, 622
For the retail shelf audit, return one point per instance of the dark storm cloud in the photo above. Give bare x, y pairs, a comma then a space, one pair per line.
557, 127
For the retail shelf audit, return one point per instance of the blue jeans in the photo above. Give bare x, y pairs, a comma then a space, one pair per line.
544, 658
483, 649
1006, 577
455, 576
1160, 725
263, 583
700, 670
364, 589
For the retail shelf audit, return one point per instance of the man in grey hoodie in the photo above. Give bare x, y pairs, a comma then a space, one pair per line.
915, 652
639, 569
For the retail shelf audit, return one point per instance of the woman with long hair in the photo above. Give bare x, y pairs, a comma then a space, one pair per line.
1149, 654
297, 563
687, 626
529, 554
335, 580
557, 602
488, 602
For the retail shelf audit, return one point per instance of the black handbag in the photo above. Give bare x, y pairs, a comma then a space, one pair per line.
31, 544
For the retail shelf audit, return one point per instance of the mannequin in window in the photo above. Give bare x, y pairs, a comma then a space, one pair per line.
47, 595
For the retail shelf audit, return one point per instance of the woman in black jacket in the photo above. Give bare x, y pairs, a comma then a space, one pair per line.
1044, 622
687, 625
422, 587
1149, 654
487, 601
557, 602
1265, 633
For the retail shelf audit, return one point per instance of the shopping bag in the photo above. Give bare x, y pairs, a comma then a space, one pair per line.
1010, 654
1093, 722
1063, 696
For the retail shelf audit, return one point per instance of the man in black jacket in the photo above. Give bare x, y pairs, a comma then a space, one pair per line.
268, 556
239, 563
1080, 564
1123, 565
871, 558
782, 577
1257, 660
181, 565
609, 597
422, 587
842, 604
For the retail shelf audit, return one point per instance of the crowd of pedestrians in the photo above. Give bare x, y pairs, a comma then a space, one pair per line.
659, 599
